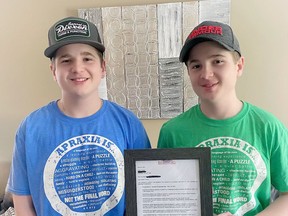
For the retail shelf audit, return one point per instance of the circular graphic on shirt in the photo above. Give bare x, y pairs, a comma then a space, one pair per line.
84, 176
237, 172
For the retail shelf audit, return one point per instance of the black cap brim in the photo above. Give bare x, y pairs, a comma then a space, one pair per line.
50, 51
184, 54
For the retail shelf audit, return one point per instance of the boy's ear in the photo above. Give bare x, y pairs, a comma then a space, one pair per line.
240, 66
52, 68
103, 72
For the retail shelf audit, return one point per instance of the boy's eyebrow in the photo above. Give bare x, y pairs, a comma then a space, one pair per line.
212, 56
191, 61
217, 55
63, 56
87, 54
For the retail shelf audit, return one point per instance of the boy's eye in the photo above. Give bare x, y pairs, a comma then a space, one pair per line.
195, 66
218, 61
65, 60
87, 59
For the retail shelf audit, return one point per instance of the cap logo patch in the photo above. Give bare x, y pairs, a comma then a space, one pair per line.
71, 28
205, 30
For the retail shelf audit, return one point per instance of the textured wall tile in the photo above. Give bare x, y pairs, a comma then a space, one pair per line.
141, 60
114, 55
169, 29
215, 10
171, 87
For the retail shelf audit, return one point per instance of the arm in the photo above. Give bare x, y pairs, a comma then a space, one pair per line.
278, 208
23, 205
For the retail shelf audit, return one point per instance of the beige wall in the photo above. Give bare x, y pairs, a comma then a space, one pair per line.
26, 82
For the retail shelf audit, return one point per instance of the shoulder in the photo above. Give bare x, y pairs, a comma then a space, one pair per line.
40, 114
264, 118
182, 120
261, 114
114, 107
119, 112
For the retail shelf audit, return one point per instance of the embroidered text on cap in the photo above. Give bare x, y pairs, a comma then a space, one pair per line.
206, 30
71, 28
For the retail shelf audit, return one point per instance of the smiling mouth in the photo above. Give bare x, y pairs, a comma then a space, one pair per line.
209, 85
79, 79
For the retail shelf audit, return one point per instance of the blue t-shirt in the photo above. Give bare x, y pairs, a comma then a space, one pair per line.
75, 166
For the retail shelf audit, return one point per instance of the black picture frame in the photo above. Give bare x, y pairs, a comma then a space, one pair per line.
202, 155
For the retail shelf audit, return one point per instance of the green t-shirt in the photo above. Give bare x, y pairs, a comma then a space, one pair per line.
249, 153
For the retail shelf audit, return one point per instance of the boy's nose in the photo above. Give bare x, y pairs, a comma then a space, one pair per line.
207, 72
77, 66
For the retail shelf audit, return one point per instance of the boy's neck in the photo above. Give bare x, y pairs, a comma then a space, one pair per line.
79, 108
221, 110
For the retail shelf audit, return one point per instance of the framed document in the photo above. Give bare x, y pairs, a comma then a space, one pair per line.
168, 182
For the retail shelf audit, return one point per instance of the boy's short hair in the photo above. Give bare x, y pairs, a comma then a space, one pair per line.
72, 30
210, 31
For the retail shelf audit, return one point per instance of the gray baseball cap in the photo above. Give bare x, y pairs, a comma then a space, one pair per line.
72, 30
210, 31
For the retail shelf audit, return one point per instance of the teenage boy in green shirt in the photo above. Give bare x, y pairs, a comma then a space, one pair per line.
248, 144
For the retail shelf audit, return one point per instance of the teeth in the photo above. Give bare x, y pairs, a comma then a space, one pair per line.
80, 79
